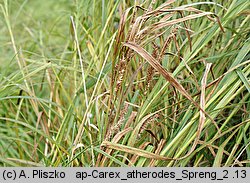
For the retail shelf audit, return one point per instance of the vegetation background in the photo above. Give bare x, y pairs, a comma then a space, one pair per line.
124, 83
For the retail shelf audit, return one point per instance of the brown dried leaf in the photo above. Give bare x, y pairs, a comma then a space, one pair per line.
135, 151
160, 25
157, 151
135, 157
154, 63
116, 139
120, 35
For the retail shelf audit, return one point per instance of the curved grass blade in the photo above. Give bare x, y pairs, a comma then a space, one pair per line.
157, 66
135, 151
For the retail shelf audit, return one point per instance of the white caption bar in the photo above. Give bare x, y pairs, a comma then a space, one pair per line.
109, 175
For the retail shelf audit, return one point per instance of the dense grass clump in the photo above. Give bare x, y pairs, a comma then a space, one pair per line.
124, 83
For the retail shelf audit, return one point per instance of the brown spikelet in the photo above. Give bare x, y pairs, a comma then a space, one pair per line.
146, 123
122, 118
120, 74
115, 128
108, 135
151, 70
150, 73
115, 72
119, 68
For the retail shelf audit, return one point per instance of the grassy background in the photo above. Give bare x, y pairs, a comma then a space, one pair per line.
71, 94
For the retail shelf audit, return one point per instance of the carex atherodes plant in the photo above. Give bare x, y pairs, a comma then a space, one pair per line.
125, 83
